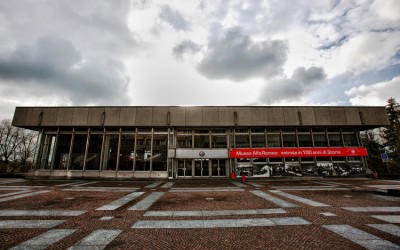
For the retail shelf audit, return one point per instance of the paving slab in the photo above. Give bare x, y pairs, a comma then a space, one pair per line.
387, 228
99, 239
40, 213
299, 199
45, 240
275, 200
388, 218
147, 202
360, 237
30, 223
120, 202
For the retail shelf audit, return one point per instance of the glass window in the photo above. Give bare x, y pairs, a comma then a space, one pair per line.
201, 141
242, 141
127, 152
143, 152
110, 152
350, 140
218, 141
305, 140
159, 161
320, 140
94, 152
62, 151
289, 140
47, 151
184, 141
334, 140
274, 141
78, 152
258, 141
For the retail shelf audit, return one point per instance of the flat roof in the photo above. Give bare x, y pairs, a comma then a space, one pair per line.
199, 116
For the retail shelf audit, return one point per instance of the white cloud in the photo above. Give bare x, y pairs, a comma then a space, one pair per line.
295, 87
375, 94
236, 57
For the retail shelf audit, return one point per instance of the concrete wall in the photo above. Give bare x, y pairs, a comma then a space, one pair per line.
35, 117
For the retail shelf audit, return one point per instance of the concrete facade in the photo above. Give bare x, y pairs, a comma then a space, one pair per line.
190, 142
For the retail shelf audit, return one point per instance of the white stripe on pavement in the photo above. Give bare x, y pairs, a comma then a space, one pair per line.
206, 213
45, 240
387, 228
22, 196
260, 222
361, 238
30, 223
372, 209
147, 202
168, 185
120, 202
99, 239
299, 199
388, 218
273, 199
15, 193
41, 212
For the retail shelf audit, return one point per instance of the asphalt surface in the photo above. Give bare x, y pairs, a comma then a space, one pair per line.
314, 213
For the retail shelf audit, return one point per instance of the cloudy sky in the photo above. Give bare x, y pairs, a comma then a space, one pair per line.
198, 52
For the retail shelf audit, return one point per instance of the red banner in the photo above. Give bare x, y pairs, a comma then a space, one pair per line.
296, 152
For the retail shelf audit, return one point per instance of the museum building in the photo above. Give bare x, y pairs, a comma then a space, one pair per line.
194, 142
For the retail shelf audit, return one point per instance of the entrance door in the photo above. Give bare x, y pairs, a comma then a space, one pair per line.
201, 167
185, 168
218, 167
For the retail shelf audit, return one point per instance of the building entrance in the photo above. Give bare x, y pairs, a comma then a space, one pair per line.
201, 168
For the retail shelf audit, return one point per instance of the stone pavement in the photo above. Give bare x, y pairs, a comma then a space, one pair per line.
199, 214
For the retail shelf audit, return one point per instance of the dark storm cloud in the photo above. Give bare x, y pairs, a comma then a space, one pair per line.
236, 57
53, 64
174, 18
301, 83
186, 46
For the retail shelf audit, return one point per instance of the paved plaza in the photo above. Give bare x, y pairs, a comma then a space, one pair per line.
320, 213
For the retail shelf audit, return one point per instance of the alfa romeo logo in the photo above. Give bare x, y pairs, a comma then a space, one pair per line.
201, 153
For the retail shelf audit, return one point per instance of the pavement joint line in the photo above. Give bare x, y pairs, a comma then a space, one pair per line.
41, 212
15, 193
364, 239
147, 202
70, 184
107, 218
98, 239
328, 214
239, 184
206, 213
372, 209
388, 218
168, 185
11, 181
22, 195
273, 199
387, 228
227, 223
202, 188
101, 189
84, 184
300, 199
255, 184
22, 187
190, 190
309, 188
153, 185
45, 240
16, 224
120, 202
14, 189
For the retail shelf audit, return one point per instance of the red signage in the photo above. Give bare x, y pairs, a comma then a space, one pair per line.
296, 152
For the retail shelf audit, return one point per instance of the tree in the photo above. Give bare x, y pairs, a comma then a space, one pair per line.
391, 133
16, 146
374, 150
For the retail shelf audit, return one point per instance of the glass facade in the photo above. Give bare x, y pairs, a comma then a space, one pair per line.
145, 150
